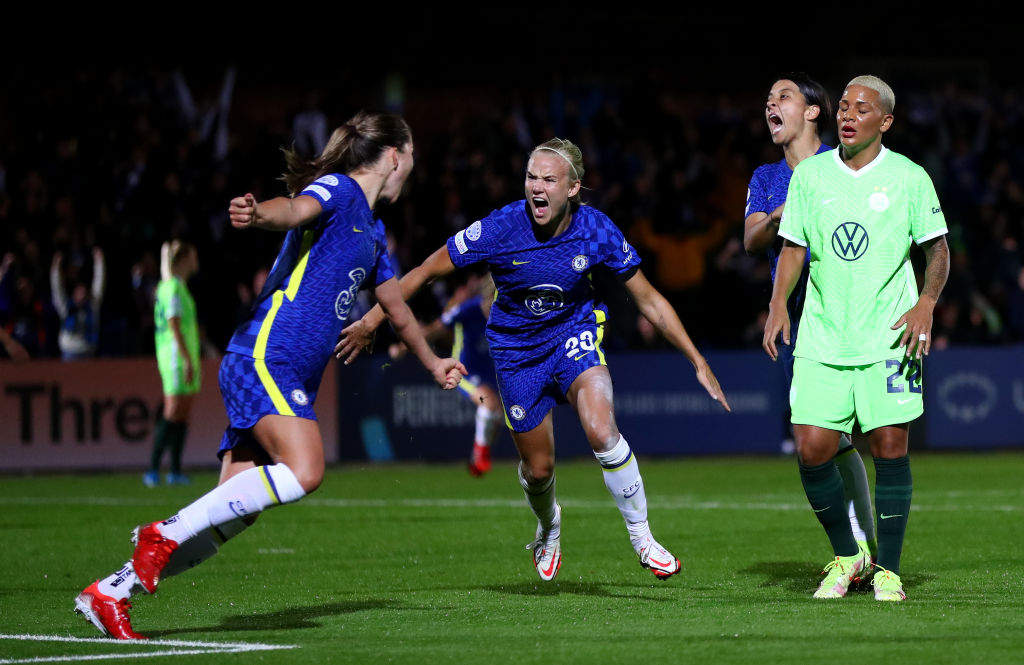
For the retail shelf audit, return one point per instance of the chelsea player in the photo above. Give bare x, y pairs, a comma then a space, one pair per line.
272, 452
796, 111
545, 333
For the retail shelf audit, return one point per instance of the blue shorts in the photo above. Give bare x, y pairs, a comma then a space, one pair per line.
254, 388
530, 389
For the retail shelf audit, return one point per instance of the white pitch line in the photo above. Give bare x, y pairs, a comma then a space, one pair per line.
664, 503
190, 648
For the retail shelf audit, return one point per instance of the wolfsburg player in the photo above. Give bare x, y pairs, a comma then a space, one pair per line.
864, 328
545, 335
177, 357
272, 452
796, 111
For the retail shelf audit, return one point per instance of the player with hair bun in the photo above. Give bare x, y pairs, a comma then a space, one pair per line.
545, 332
272, 452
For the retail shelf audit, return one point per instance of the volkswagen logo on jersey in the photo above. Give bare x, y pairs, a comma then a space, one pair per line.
300, 397
473, 232
517, 412
580, 263
850, 241
544, 298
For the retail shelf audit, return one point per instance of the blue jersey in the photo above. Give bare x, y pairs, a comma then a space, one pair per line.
766, 192
469, 324
544, 287
313, 284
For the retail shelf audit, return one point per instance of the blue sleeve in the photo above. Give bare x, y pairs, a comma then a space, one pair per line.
326, 191
382, 266
757, 193
475, 243
614, 250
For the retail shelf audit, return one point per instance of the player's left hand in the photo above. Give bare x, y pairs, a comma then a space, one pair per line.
917, 337
448, 372
354, 339
707, 379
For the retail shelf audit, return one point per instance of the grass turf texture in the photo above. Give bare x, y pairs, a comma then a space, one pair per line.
422, 564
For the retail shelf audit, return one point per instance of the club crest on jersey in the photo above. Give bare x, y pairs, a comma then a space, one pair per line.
517, 412
300, 397
473, 232
878, 201
343, 303
850, 241
544, 298
580, 263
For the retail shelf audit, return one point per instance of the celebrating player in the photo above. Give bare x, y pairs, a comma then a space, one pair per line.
796, 111
272, 452
545, 335
177, 356
864, 329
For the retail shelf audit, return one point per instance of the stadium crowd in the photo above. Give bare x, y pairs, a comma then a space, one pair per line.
123, 159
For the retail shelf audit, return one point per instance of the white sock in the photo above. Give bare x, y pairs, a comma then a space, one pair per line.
541, 498
486, 424
857, 491
622, 478
124, 583
248, 493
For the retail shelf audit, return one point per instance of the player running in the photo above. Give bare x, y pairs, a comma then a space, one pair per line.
796, 111
177, 357
272, 452
545, 335
864, 329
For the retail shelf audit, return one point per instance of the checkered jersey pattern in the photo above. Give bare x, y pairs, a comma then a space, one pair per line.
544, 286
314, 281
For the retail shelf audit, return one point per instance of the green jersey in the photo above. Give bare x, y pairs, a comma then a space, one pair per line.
858, 226
174, 301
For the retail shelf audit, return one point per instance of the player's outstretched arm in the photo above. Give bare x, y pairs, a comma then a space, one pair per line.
917, 337
787, 274
760, 230
447, 372
278, 214
359, 335
659, 312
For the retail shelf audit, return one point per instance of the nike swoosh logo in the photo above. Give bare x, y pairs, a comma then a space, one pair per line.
551, 568
904, 401
823, 509
663, 564
631, 494
357, 230
518, 263
889, 517
581, 356
825, 202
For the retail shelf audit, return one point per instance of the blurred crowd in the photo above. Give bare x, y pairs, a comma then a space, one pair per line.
98, 168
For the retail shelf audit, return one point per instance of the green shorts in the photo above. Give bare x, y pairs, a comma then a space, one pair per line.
172, 374
834, 396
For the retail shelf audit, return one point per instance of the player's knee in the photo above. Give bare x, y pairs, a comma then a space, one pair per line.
538, 471
309, 476
602, 436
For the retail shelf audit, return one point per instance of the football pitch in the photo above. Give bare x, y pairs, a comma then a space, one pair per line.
424, 564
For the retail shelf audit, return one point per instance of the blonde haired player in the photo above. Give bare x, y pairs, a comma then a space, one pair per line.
864, 329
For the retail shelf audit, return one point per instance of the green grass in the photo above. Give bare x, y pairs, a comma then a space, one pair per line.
423, 564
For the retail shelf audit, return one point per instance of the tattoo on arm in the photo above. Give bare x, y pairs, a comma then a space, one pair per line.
936, 270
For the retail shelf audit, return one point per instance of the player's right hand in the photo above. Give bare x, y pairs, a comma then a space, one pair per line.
242, 211
353, 339
448, 373
778, 322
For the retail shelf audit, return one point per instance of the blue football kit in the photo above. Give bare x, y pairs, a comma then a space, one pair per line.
547, 322
275, 361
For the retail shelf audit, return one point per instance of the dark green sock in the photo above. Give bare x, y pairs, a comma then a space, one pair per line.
159, 443
893, 488
824, 488
176, 444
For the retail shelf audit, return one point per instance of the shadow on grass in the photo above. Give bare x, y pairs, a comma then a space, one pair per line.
556, 588
288, 619
800, 576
